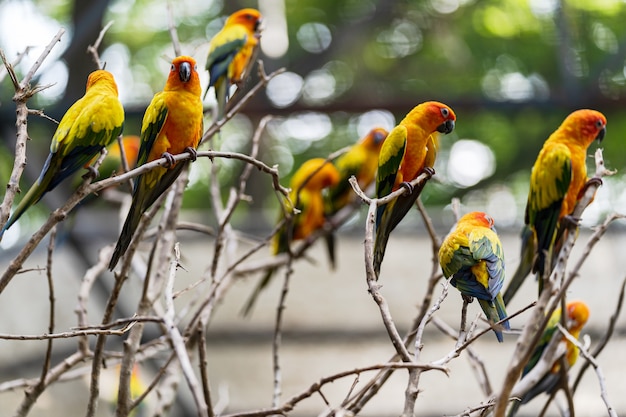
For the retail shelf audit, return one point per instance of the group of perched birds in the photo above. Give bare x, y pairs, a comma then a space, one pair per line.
471, 255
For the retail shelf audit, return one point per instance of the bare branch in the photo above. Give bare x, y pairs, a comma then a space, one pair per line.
93, 49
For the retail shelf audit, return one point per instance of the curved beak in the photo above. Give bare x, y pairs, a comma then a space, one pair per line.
446, 127
601, 134
184, 71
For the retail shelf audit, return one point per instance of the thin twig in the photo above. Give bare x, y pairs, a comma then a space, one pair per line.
93, 49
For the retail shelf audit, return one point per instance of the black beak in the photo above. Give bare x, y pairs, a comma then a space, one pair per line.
184, 71
257, 25
601, 134
446, 127
379, 137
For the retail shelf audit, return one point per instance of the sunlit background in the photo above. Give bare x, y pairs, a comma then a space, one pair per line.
512, 70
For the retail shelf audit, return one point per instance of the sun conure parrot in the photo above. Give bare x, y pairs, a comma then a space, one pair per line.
172, 124
361, 160
306, 186
410, 149
472, 255
557, 182
90, 124
231, 54
577, 316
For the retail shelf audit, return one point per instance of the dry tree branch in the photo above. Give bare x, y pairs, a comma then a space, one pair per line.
171, 27
33, 393
178, 342
607, 336
18, 59
550, 296
317, 386
23, 93
93, 49
592, 360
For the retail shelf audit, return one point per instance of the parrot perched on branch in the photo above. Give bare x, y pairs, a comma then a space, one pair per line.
172, 124
577, 316
472, 255
409, 150
361, 160
306, 196
231, 54
89, 125
557, 182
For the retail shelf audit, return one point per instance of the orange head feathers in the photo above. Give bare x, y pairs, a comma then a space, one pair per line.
577, 314
250, 18
183, 75
585, 126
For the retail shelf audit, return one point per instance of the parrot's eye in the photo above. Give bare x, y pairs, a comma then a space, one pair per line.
172, 68
599, 124
195, 67
445, 112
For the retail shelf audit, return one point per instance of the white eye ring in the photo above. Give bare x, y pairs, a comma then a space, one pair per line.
445, 112
172, 67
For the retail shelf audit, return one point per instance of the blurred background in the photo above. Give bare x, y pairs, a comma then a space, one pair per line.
511, 70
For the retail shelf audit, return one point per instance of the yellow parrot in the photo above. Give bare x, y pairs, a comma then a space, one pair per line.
231, 54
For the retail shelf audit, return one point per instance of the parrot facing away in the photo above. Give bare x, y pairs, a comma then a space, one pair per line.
172, 124
577, 316
472, 255
410, 149
361, 160
558, 180
231, 54
89, 125
306, 195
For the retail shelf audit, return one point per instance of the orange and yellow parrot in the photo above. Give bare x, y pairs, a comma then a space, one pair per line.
172, 124
306, 196
472, 255
360, 161
557, 182
231, 54
410, 149
89, 125
577, 316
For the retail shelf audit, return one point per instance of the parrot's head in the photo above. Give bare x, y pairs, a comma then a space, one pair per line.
315, 175
250, 18
184, 75
375, 138
101, 77
433, 116
478, 218
577, 314
591, 124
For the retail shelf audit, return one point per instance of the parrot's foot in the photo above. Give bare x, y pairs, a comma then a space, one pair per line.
592, 181
430, 171
193, 154
570, 221
467, 298
407, 186
91, 173
169, 158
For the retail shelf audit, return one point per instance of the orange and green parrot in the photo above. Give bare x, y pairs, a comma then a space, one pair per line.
410, 149
361, 160
172, 124
577, 316
306, 195
557, 182
90, 124
231, 54
472, 255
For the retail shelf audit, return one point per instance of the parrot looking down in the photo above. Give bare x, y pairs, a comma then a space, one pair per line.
558, 180
361, 160
577, 316
472, 255
306, 186
231, 54
410, 149
89, 125
172, 124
